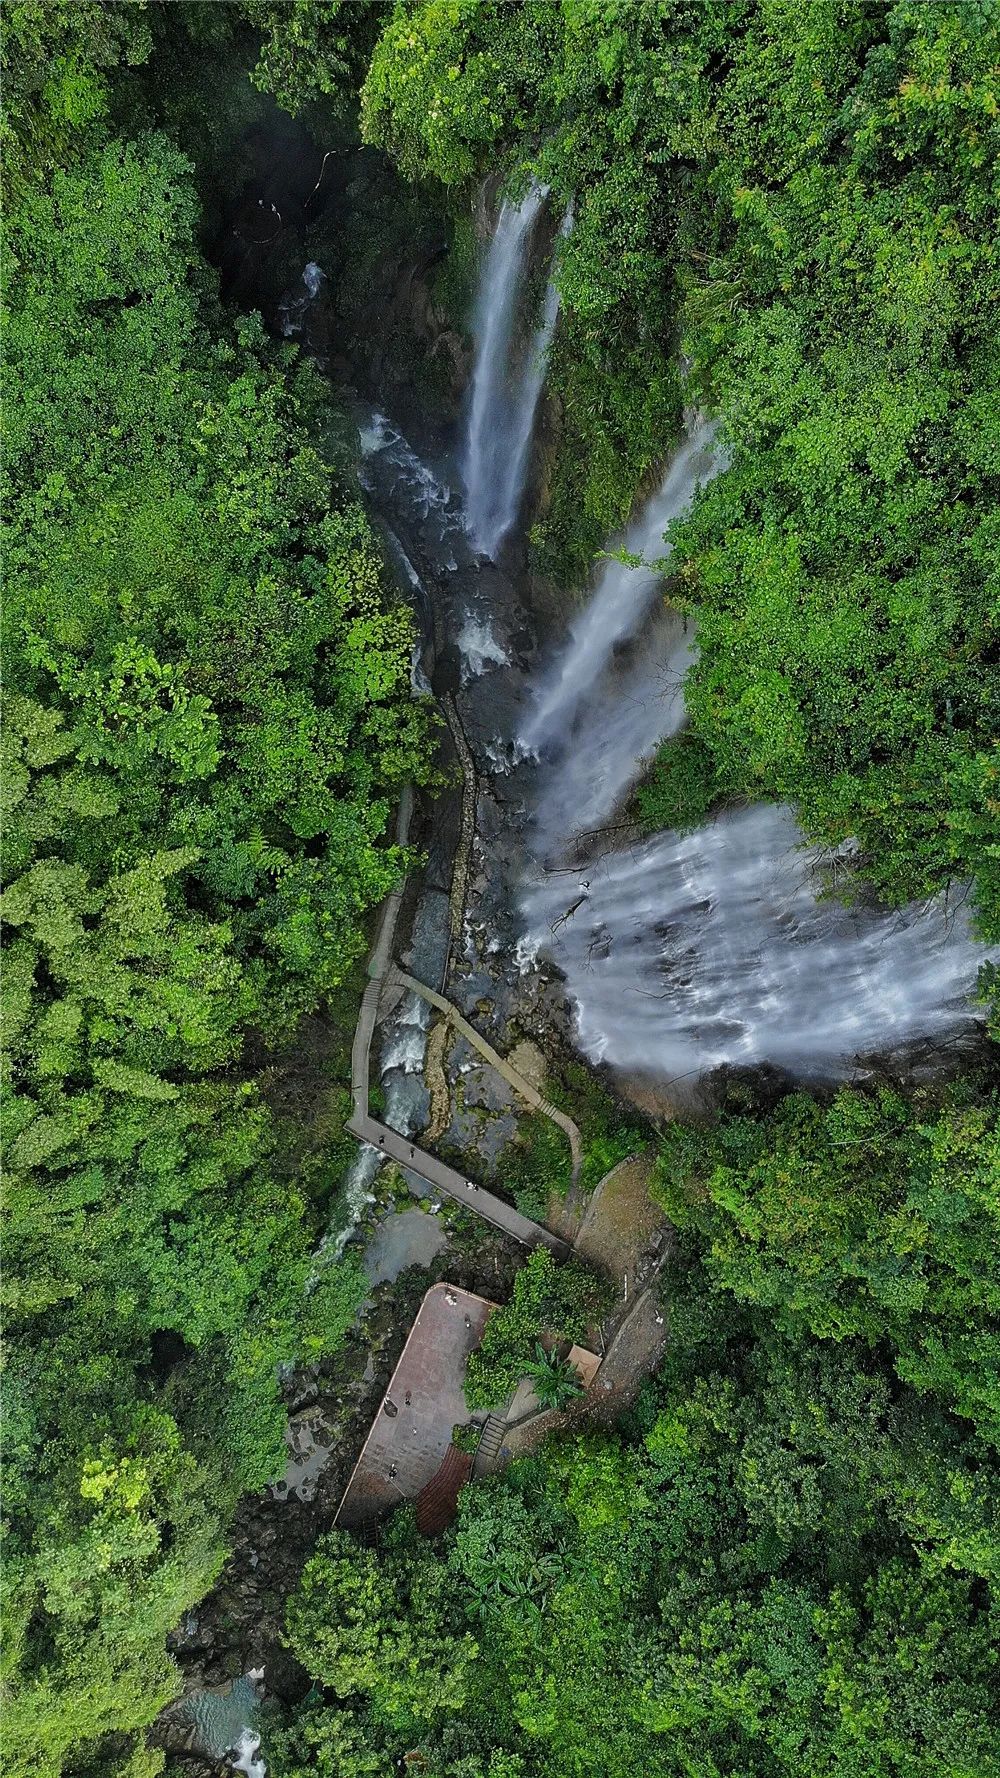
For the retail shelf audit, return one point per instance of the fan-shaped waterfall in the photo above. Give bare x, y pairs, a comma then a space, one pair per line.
695, 949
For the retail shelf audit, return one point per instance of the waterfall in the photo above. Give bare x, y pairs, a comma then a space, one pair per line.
680, 952
596, 718
623, 597
525, 405
696, 949
691, 950
635, 703
503, 402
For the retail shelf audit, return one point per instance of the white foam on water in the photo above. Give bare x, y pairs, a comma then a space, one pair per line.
479, 648
692, 950
247, 1755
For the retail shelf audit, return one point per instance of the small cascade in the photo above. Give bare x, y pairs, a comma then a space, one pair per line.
406, 1042
503, 401
247, 1756
479, 648
415, 487
294, 308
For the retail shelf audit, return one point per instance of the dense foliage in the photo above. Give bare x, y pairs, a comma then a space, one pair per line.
207, 718
775, 1572
562, 1300
785, 1563
802, 200
876, 1217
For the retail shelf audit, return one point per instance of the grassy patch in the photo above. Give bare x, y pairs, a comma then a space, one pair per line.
535, 1164
609, 1129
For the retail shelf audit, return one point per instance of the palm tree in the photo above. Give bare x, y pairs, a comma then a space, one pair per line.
555, 1380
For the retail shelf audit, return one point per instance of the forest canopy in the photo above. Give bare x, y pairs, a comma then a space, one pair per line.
785, 1560
208, 717
775, 1568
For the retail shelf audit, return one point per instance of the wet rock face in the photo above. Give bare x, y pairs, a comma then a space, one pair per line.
306, 314
309, 1437
423, 317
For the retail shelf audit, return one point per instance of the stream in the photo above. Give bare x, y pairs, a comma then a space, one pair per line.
680, 953
665, 957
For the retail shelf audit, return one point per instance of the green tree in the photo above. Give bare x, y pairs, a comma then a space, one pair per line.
207, 720
379, 1632
874, 1216
546, 1298
554, 1379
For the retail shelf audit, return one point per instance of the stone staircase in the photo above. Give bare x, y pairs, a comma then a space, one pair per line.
489, 1447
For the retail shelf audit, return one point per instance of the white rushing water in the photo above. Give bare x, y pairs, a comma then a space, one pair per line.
523, 413
622, 598
692, 950
602, 707
695, 949
406, 1040
479, 648
247, 1756
638, 701
418, 489
504, 397
313, 277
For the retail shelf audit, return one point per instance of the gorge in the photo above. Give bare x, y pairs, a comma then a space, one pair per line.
730, 945
501, 796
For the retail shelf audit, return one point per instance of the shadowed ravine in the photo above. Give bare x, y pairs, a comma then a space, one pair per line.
685, 951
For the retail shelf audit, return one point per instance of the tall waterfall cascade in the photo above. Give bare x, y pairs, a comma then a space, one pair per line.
504, 395
682, 951
595, 720
691, 950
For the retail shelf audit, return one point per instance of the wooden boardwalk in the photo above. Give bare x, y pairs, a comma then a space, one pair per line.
445, 1179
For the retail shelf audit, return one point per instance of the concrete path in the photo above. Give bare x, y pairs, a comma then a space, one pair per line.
378, 963
445, 1179
399, 1148
463, 851
510, 1074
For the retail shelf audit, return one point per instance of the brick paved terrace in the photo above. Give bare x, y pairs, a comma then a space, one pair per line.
411, 1432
